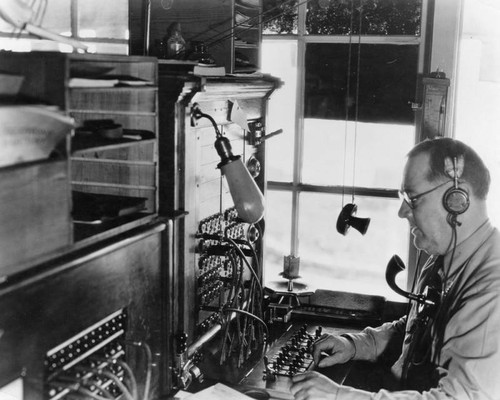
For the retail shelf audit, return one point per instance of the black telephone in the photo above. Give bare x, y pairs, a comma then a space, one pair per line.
429, 297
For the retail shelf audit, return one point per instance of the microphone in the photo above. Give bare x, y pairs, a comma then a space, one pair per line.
395, 266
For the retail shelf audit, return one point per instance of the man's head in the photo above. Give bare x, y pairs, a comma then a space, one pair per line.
428, 175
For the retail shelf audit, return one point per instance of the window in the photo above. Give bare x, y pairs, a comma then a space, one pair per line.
103, 26
349, 70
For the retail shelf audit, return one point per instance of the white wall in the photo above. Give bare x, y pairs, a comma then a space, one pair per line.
466, 45
477, 101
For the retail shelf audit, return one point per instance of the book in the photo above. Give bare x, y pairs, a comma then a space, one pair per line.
107, 81
205, 70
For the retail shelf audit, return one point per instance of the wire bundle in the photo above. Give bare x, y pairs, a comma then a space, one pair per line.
104, 378
244, 327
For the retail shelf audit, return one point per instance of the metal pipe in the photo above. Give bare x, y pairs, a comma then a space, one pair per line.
209, 335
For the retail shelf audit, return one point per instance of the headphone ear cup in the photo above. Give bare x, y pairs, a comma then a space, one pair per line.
456, 201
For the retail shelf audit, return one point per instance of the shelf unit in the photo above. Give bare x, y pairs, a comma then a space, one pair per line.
231, 30
63, 279
246, 36
100, 166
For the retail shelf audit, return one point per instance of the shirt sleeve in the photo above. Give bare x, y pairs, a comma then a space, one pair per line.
370, 343
469, 360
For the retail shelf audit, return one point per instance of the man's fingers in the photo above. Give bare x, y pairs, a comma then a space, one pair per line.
301, 382
328, 361
299, 377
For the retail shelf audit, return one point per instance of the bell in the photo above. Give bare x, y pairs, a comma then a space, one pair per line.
347, 219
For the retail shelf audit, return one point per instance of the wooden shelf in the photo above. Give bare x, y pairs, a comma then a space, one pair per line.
84, 144
97, 165
216, 23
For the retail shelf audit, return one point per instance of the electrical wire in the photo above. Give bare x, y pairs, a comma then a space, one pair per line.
357, 98
64, 379
110, 376
248, 24
252, 271
125, 367
89, 393
131, 377
236, 310
149, 364
348, 91
249, 303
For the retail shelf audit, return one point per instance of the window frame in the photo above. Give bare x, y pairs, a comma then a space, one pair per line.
74, 28
296, 187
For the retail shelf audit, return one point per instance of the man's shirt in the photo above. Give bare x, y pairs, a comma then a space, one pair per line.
465, 334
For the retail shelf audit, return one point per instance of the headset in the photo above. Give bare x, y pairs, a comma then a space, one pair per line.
455, 200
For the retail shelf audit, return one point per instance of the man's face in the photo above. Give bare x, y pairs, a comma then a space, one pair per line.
429, 227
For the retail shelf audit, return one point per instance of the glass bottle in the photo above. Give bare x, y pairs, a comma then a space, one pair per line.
174, 45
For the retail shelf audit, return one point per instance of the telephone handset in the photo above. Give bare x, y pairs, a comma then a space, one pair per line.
429, 297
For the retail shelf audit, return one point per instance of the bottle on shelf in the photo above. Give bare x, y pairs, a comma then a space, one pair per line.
173, 44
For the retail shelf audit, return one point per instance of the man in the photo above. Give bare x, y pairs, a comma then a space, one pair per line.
453, 351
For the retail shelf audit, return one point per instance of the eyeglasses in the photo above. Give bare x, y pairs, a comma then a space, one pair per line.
412, 200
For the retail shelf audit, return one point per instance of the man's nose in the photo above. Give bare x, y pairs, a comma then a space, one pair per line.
404, 210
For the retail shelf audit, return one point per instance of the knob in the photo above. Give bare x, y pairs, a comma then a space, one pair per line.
319, 331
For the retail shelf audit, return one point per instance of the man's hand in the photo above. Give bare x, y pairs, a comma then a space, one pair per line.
339, 350
313, 385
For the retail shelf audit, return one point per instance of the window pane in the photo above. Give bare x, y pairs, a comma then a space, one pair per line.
108, 20
336, 153
378, 17
108, 48
280, 59
58, 16
383, 87
54, 17
278, 232
280, 17
354, 262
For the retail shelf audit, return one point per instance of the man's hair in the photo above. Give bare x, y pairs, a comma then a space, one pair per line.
475, 172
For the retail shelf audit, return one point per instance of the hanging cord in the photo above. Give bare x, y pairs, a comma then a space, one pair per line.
348, 91
357, 98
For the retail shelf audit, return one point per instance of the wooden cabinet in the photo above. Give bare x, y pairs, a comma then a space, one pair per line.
88, 252
62, 309
114, 155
